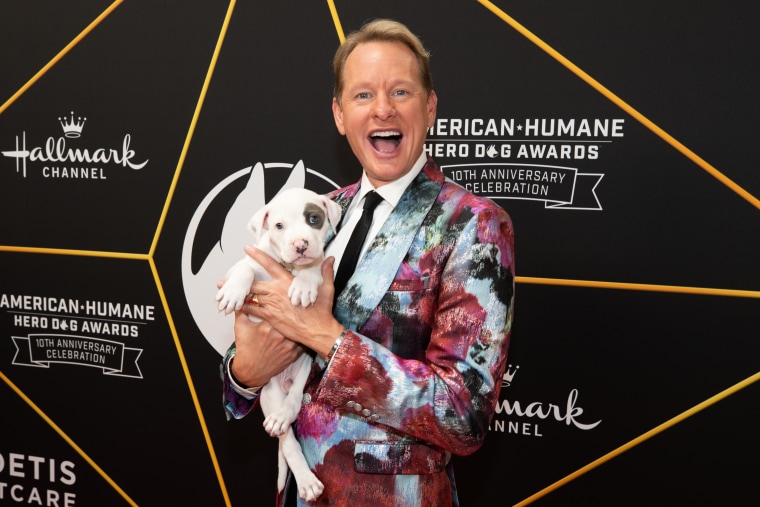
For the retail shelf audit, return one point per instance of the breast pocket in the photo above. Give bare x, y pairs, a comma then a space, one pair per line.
398, 458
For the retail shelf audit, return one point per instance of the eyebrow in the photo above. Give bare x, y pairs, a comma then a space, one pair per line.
395, 84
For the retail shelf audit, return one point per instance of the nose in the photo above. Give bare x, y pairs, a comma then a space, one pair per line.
301, 246
383, 107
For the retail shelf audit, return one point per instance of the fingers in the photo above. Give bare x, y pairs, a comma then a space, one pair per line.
262, 352
328, 278
328, 270
251, 307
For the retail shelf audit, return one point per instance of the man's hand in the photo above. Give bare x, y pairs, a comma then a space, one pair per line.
313, 326
261, 351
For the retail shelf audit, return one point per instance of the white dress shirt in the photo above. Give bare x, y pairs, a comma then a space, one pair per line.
390, 192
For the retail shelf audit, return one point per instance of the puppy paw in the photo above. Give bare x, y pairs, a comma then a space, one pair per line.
231, 296
278, 423
302, 292
311, 488
229, 301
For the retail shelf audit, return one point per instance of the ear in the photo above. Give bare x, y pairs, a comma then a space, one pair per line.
333, 213
258, 222
338, 115
432, 107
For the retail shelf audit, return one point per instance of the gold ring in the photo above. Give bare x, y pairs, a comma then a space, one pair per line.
253, 299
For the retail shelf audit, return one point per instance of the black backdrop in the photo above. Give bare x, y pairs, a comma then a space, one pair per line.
635, 346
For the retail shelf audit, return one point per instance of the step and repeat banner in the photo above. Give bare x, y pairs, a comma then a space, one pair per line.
138, 136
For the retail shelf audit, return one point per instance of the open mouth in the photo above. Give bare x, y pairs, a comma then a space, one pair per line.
385, 141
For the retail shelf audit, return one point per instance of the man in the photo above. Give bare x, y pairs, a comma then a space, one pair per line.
408, 369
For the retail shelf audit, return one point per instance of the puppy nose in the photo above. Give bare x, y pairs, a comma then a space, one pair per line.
301, 246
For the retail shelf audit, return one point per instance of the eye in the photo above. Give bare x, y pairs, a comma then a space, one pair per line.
314, 219
400, 93
279, 225
362, 96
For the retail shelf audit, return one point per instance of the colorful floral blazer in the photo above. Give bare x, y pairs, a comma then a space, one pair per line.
416, 379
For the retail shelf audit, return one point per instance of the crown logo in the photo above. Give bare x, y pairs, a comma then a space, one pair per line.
509, 374
72, 127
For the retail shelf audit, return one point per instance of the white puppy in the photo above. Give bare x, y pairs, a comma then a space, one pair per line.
291, 228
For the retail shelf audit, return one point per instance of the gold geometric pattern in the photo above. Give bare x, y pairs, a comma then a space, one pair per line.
615, 285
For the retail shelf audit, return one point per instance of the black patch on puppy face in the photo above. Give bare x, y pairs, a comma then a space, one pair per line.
314, 216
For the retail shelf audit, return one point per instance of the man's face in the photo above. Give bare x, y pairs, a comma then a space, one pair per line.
384, 111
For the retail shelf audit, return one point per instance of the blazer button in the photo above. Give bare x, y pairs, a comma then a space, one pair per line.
357, 407
306, 398
366, 412
374, 418
351, 404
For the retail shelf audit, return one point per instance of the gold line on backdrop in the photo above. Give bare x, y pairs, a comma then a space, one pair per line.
336, 20
640, 439
60, 55
82, 253
623, 105
148, 257
67, 439
705, 291
628, 286
159, 228
519, 279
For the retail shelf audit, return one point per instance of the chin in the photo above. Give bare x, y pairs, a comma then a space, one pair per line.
302, 260
387, 173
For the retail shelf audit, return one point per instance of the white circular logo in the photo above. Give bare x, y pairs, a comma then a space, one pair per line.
200, 287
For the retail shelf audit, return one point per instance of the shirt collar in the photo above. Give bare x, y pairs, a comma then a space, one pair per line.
392, 192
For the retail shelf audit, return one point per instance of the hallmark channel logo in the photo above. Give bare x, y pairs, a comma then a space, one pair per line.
509, 374
528, 419
72, 128
55, 159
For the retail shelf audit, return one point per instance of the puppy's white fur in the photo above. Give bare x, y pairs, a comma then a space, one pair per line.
291, 228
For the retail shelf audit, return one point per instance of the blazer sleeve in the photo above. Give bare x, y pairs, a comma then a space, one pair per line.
447, 395
236, 406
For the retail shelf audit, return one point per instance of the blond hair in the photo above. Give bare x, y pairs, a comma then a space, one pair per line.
382, 30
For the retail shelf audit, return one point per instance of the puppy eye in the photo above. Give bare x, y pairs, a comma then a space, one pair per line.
279, 225
314, 220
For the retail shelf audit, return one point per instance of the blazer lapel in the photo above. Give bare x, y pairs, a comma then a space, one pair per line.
377, 269
343, 197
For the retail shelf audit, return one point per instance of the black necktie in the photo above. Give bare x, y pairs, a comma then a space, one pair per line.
355, 242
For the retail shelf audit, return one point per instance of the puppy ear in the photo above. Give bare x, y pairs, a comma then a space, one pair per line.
258, 222
333, 213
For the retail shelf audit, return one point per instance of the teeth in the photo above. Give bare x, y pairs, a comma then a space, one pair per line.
388, 133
